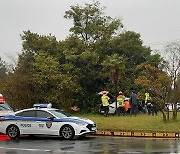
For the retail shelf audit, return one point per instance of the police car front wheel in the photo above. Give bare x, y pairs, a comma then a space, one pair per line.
67, 132
13, 131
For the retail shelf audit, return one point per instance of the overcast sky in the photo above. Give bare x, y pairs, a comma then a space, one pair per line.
156, 20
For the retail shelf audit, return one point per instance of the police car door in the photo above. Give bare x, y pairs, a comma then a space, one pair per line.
26, 122
44, 123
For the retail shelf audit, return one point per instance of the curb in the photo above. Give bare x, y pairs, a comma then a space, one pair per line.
138, 134
125, 134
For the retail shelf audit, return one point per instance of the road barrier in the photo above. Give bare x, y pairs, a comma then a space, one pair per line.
138, 134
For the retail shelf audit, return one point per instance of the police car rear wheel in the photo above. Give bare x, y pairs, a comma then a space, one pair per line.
67, 132
13, 131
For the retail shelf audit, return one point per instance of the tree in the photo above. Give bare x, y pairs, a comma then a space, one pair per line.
83, 64
157, 82
46, 75
18, 86
96, 34
19, 90
71, 71
89, 23
178, 88
53, 86
114, 66
129, 45
172, 51
3, 69
33, 43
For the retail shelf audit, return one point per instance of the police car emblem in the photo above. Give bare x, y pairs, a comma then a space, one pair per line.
48, 124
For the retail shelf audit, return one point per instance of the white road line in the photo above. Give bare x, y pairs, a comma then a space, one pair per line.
35, 150
25, 149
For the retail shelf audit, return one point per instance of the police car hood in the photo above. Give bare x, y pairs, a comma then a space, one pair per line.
77, 120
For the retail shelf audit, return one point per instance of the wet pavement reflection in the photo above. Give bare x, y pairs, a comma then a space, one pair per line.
91, 144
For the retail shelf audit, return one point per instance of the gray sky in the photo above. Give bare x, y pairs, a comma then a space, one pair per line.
156, 20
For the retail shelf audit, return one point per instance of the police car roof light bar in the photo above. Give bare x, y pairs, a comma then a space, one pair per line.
42, 105
2, 99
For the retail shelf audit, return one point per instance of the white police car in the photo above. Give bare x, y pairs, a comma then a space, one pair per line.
5, 109
44, 120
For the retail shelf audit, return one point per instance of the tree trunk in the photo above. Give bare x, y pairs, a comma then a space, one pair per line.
164, 116
174, 102
174, 116
168, 114
116, 95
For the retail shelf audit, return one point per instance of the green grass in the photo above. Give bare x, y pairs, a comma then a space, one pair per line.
142, 122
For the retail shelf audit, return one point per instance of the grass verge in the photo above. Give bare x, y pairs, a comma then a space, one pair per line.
142, 122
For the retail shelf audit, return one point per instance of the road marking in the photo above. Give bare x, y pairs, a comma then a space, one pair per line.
25, 149
35, 150
129, 152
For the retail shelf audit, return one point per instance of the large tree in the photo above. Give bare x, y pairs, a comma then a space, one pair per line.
130, 46
157, 83
53, 85
71, 71
172, 55
90, 23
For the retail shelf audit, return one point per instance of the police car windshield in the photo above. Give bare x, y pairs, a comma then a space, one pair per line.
4, 106
59, 113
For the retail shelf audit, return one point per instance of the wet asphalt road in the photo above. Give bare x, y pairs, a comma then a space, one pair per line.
91, 144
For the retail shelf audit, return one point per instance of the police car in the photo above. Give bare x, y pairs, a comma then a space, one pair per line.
44, 120
5, 109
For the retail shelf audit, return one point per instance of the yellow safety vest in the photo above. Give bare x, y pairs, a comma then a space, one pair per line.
146, 97
104, 100
120, 100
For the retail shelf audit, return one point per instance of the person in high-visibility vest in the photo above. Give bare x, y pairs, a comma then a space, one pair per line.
148, 102
105, 102
120, 100
127, 106
146, 97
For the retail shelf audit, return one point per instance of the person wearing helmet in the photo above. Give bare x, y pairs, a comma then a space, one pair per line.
105, 102
120, 100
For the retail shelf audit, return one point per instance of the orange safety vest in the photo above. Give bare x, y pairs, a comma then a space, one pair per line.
127, 105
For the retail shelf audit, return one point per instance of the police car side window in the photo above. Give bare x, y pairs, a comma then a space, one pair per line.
19, 114
43, 114
29, 114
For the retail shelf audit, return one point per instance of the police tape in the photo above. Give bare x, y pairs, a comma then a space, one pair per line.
138, 134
